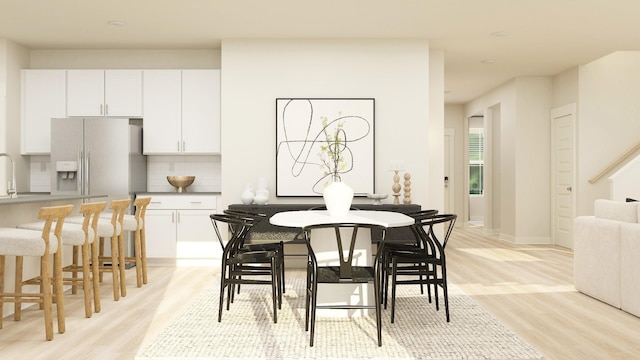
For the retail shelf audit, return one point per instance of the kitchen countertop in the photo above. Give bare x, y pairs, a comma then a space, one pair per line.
26, 198
177, 193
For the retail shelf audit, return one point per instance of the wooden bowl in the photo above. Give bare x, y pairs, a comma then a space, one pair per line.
181, 182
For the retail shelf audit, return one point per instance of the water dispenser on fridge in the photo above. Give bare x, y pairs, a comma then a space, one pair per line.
67, 176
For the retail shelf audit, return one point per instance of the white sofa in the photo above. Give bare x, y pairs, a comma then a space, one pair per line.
607, 254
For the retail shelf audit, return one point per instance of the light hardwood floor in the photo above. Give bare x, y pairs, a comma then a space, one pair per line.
529, 288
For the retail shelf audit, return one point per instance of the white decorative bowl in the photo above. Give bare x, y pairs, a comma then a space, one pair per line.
377, 198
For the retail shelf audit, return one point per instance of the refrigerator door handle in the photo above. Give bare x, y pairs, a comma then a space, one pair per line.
80, 179
88, 183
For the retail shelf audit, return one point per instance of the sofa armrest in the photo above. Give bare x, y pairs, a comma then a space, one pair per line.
630, 268
596, 257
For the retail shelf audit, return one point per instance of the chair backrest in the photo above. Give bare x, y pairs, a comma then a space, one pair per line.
340, 230
91, 212
50, 215
433, 239
141, 204
237, 228
251, 216
119, 208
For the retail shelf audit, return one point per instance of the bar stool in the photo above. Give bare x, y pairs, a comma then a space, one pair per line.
135, 223
110, 228
80, 237
22, 242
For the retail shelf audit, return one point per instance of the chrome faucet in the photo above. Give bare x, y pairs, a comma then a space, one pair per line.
11, 187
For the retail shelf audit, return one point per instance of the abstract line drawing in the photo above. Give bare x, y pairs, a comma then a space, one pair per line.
301, 124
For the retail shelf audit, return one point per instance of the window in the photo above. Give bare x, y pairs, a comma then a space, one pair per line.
476, 160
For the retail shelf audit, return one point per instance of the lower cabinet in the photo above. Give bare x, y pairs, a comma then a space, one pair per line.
178, 228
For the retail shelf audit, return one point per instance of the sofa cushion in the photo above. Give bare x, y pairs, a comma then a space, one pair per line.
616, 210
630, 268
596, 258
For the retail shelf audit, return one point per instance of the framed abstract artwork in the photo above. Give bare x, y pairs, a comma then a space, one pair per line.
305, 129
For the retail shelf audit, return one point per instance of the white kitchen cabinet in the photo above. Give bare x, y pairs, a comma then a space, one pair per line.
178, 227
43, 97
104, 93
181, 111
201, 111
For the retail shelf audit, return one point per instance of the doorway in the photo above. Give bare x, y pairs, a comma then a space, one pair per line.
476, 170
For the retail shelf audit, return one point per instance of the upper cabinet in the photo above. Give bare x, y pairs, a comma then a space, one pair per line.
181, 111
104, 93
43, 97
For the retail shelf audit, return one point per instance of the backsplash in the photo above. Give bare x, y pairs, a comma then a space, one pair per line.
205, 168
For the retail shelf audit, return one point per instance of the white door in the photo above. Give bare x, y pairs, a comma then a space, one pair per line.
563, 119
449, 155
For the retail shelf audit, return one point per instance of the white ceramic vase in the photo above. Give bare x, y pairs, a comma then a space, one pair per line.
262, 197
247, 195
338, 197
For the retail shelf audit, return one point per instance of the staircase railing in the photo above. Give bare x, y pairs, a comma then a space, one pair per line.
615, 163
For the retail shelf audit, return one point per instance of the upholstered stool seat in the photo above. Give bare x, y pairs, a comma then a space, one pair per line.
36, 243
72, 234
22, 242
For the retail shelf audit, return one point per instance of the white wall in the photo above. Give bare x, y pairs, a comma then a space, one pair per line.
608, 120
624, 182
524, 140
394, 72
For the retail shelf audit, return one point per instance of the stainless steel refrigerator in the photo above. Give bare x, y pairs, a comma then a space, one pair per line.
97, 156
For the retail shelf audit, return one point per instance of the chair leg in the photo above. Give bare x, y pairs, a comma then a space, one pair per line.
314, 303
114, 267
95, 278
74, 273
394, 275
59, 289
46, 295
376, 289
222, 286
85, 279
275, 288
138, 257
143, 254
17, 306
122, 264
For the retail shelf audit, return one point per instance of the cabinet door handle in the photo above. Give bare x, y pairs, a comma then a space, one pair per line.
178, 216
106, 109
183, 146
178, 145
101, 109
173, 217
196, 202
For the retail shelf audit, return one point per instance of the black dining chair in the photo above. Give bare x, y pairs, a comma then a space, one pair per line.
426, 264
245, 267
405, 244
347, 272
245, 245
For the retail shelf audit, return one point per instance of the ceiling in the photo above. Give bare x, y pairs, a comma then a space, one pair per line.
535, 37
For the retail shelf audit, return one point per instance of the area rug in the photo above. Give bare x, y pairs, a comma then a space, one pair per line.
247, 330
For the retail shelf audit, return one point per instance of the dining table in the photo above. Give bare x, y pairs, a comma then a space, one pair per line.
325, 248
